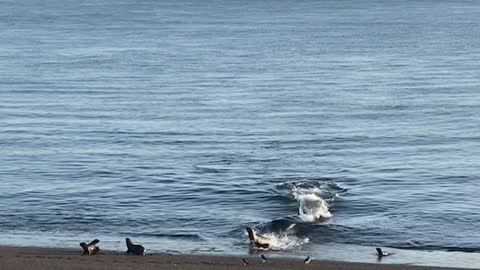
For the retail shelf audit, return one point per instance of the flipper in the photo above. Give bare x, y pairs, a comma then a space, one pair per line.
94, 242
84, 247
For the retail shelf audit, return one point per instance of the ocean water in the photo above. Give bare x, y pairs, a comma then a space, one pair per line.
332, 127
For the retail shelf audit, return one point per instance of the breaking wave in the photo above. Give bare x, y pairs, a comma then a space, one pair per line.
312, 207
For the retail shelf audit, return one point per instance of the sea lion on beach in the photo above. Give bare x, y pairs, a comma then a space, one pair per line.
257, 240
133, 249
90, 248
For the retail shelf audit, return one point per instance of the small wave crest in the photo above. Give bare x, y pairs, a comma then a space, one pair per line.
419, 245
193, 237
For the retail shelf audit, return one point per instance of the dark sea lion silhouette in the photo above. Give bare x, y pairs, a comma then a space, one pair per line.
257, 240
133, 249
90, 248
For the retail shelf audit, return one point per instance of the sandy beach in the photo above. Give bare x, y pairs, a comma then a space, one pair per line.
57, 258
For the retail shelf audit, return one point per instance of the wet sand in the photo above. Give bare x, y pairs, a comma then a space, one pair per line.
32, 258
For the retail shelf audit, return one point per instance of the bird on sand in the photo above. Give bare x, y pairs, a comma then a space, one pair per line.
307, 260
382, 253
244, 261
264, 259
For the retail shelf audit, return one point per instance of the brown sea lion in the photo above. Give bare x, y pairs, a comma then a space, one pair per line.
90, 248
257, 240
133, 249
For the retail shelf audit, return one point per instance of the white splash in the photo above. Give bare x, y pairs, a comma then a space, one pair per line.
284, 241
311, 206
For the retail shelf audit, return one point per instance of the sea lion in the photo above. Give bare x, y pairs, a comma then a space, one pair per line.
90, 248
257, 240
133, 249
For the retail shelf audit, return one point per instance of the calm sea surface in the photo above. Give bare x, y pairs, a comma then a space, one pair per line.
330, 126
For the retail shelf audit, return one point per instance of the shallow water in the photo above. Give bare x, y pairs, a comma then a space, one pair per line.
179, 123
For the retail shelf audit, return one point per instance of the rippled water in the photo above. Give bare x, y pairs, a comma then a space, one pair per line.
178, 123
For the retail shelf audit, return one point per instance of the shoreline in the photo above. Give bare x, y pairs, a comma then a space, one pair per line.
39, 258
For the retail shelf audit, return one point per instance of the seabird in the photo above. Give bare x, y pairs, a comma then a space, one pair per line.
264, 259
244, 261
382, 253
90, 248
257, 240
133, 249
307, 260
